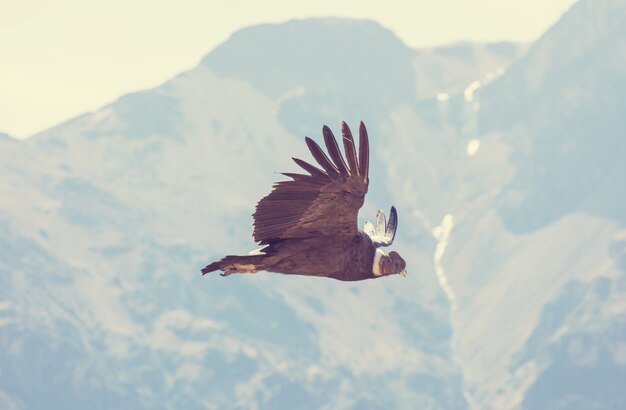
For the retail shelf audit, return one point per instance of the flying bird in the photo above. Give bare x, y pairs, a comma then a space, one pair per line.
308, 225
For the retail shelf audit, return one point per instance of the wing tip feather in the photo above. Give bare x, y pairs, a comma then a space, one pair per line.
363, 150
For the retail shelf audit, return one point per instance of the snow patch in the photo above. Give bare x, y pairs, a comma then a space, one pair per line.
472, 147
468, 94
442, 234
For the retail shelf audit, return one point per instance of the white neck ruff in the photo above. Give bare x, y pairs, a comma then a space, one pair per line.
376, 266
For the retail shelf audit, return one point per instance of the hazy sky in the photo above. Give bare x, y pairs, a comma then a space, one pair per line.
60, 58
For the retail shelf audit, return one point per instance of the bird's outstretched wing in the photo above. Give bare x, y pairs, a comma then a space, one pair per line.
383, 233
324, 202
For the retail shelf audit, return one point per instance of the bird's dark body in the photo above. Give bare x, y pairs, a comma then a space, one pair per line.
308, 225
347, 260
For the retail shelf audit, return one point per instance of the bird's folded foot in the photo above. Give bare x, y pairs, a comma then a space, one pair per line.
239, 268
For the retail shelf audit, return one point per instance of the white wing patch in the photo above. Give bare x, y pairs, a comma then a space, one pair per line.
383, 233
258, 251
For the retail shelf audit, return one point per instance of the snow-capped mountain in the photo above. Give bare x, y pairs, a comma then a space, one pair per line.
503, 161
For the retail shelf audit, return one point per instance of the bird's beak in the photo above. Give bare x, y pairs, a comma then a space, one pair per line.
403, 273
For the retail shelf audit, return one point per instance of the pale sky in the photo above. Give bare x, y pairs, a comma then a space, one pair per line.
61, 58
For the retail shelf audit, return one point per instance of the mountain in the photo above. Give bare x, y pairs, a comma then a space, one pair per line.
549, 280
516, 265
568, 104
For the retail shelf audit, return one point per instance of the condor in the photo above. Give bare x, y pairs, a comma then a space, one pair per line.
308, 225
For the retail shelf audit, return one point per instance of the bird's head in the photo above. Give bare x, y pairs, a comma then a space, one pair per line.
389, 264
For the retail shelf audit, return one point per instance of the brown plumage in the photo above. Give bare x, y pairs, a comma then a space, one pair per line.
308, 225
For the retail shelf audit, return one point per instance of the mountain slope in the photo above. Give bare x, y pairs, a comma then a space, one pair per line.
542, 278
566, 103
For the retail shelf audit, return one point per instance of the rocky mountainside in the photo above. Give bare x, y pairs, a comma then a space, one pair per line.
503, 162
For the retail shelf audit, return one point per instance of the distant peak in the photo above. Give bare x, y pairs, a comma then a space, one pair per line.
310, 34
311, 22
313, 53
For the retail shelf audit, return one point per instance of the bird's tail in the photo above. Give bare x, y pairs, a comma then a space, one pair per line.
236, 264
